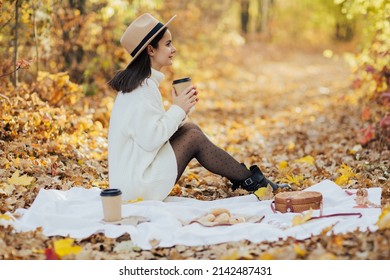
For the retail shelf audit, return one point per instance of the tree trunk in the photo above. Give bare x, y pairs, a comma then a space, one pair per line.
264, 16
74, 56
36, 39
265, 8
15, 76
244, 16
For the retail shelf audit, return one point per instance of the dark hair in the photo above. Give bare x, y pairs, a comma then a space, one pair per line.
135, 73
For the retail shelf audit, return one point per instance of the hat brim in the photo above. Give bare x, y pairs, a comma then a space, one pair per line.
150, 40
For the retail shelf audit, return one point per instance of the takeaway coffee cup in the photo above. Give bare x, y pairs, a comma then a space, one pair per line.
112, 204
181, 84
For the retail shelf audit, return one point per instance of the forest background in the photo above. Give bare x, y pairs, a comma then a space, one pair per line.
57, 56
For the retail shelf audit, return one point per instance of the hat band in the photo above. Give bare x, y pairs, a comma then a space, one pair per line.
147, 37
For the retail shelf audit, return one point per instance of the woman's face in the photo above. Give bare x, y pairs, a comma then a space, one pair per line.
162, 56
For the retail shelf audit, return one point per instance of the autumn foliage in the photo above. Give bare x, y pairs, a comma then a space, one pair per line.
292, 106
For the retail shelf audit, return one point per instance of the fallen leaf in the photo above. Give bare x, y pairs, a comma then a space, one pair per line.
355, 149
302, 218
51, 254
283, 165
191, 176
346, 174
291, 146
300, 250
6, 217
293, 179
7, 189
154, 243
306, 159
384, 218
125, 247
366, 114
264, 193
237, 254
385, 122
18, 180
65, 247
366, 135
139, 199
325, 230
342, 180
176, 190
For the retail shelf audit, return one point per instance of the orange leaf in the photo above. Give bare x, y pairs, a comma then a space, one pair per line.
366, 114
366, 134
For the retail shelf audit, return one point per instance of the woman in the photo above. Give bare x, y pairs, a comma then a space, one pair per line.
148, 147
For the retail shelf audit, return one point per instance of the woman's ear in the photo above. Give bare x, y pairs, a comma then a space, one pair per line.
150, 50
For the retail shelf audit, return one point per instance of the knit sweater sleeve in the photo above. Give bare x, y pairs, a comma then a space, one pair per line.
151, 126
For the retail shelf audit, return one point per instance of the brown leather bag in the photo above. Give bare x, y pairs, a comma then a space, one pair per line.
297, 201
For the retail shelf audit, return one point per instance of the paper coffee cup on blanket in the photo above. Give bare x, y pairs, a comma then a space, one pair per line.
112, 204
181, 84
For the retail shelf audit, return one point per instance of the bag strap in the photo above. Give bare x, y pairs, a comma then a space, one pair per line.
273, 206
337, 215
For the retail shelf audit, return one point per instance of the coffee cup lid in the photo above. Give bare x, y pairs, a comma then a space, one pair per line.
182, 80
111, 192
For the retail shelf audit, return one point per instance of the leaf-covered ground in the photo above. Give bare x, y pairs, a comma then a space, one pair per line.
272, 107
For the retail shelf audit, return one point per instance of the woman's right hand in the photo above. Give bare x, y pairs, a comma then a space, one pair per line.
186, 99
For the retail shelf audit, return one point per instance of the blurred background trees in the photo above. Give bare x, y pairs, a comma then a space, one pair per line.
79, 39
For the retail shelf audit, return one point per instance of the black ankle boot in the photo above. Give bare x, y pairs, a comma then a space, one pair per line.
257, 180
236, 183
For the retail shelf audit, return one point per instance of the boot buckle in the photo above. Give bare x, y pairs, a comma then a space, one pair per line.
248, 181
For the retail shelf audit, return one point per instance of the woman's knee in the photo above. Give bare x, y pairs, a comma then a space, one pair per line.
190, 125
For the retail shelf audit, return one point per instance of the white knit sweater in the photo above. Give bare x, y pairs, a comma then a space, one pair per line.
141, 160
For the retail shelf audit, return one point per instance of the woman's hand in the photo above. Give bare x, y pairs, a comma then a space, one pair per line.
186, 99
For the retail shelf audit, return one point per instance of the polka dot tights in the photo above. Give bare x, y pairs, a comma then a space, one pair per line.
190, 142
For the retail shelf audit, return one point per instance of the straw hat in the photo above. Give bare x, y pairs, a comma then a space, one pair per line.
140, 33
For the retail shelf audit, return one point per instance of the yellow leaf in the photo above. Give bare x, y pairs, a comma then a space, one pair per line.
293, 179
291, 146
345, 170
6, 217
301, 219
346, 174
267, 256
306, 159
325, 230
337, 240
231, 256
264, 193
135, 200
6, 189
65, 247
342, 180
283, 165
20, 180
384, 219
299, 250
176, 190
191, 176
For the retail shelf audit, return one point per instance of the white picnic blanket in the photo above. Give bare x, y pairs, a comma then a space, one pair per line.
78, 213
